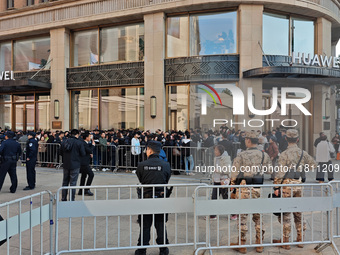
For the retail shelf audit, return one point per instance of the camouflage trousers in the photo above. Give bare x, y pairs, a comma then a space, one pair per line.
243, 218
287, 217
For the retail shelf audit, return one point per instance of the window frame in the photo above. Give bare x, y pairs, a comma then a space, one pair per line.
290, 18
71, 62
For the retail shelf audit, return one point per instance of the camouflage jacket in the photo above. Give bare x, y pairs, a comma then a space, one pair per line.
249, 162
289, 159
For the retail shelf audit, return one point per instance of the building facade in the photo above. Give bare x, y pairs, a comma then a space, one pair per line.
169, 64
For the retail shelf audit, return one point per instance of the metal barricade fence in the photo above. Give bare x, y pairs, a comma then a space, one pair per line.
314, 206
107, 221
180, 158
336, 206
26, 220
48, 154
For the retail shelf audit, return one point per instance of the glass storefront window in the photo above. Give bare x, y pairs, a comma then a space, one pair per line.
303, 36
85, 48
43, 97
6, 56
43, 115
122, 108
6, 116
123, 43
186, 102
276, 39
178, 107
177, 36
85, 109
212, 34
23, 98
31, 54
275, 34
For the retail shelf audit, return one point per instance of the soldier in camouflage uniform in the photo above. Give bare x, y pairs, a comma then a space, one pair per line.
290, 158
251, 158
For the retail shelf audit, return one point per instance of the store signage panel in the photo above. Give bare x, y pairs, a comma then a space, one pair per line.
7, 76
316, 60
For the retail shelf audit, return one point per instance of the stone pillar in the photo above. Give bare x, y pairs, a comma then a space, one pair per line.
154, 69
60, 45
323, 47
250, 34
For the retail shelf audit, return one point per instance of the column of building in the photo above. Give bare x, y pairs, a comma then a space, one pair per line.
250, 35
60, 47
154, 69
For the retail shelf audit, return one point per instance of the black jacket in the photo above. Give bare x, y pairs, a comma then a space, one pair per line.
72, 158
228, 146
154, 171
32, 148
86, 160
10, 149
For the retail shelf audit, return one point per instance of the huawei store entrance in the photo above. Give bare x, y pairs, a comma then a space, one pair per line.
25, 111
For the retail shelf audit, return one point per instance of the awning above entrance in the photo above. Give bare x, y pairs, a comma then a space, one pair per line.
314, 75
23, 85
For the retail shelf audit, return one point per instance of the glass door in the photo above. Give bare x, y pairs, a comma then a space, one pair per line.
24, 117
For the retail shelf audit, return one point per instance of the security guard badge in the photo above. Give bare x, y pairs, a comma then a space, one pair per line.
30, 144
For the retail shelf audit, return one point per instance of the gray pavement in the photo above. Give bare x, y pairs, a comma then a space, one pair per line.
50, 179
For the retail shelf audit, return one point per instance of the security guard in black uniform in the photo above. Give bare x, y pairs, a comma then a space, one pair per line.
31, 160
10, 151
153, 171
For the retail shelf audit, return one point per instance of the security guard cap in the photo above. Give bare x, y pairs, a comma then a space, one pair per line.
251, 135
292, 133
32, 134
9, 134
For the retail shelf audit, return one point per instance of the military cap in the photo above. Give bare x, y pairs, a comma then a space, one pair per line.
32, 133
251, 135
10, 134
292, 133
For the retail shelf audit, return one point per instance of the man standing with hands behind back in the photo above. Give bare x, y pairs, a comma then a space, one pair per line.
153, 171
31, 160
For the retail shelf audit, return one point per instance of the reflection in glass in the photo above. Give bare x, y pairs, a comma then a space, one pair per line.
122, 108
177, 36
6, 56
123, 43
178, 107
23, 98
31, 54
5, 116
85, 109
303, 36
214, 109
275, 34
213, 33
43, 115
85, 48
29, 117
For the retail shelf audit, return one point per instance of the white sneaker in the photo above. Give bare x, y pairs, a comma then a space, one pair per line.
94, 170
104, 169
134, 171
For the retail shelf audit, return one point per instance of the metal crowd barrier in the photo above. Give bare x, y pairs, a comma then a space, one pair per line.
27, 220
107, 221
315, 206
336, 206
48, 154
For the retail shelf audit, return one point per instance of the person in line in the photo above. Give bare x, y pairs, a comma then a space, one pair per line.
85, 168
72, 151
323, 150
219, 177
31, 160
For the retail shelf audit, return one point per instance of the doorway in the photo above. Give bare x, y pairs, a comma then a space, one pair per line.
24, 116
